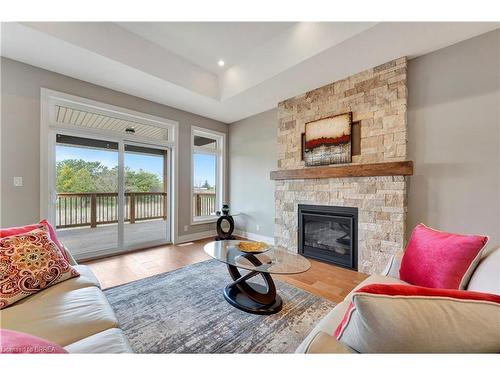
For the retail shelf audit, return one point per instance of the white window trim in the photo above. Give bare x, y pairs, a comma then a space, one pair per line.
220, 152
48, 128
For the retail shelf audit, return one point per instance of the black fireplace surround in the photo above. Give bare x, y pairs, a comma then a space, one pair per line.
329, 234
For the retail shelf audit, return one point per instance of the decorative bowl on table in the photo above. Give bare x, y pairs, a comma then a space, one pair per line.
252, 247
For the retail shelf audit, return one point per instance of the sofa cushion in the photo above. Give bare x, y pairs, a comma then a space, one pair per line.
111, 341
13, 342
412, 319
486, 276
85, 280
326, 325
437, 259
323, 343
30, 262
392, 268
62, 318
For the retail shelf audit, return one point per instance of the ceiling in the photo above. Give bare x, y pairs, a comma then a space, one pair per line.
87, 119
176, 63
205, 43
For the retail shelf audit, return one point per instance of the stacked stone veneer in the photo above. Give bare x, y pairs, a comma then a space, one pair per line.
377, 98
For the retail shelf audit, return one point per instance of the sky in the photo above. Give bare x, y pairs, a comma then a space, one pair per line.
204, 168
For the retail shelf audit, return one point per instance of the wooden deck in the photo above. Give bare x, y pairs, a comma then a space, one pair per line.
81, 240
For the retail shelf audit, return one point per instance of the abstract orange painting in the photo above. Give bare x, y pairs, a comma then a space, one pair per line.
328, 140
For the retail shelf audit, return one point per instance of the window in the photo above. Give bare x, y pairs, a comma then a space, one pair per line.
207, 179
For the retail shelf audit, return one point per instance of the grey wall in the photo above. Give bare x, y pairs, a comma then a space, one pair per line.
252, 155
20, 144
454, 102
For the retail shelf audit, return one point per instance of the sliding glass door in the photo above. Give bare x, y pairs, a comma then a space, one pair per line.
86, 206
146, 195
110, 196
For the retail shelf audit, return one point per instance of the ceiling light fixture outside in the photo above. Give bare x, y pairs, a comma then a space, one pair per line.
130, 131
221, 63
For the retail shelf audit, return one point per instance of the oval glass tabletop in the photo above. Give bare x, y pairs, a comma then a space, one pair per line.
274, 261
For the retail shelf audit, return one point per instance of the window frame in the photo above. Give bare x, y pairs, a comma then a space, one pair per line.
49, 127
220, 153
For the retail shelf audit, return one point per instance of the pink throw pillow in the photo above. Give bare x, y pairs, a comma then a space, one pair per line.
28, 228
13, 342
6, 232
437, 259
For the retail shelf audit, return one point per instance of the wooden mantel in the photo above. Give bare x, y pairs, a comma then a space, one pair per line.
398, 168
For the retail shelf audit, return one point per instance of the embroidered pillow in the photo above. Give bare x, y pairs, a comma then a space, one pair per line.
30, 262
392, 318
6, 232
13, 342
438, 259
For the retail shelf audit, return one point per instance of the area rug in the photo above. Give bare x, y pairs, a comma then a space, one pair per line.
184, 311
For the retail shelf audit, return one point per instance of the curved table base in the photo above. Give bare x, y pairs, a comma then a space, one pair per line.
252, 297
240, 300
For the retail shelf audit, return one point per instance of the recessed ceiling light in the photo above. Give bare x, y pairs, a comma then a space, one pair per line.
221, 63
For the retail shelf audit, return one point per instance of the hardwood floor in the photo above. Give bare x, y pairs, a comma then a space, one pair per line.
325, 280
322, 279
121, 269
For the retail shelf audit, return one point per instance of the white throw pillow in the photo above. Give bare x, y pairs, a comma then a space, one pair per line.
412, 319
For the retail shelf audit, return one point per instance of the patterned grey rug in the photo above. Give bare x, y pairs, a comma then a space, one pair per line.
184, 311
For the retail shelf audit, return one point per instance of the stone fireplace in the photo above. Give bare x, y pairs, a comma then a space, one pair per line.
377, 98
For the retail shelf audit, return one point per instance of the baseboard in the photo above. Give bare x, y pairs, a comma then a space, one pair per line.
196, 236
254, 236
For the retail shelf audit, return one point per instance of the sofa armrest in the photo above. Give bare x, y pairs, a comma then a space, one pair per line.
71, 260
392, 268
323, 343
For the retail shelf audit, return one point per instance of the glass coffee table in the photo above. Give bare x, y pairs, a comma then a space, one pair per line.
249, 296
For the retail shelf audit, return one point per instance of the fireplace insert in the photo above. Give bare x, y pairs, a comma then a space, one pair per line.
329, 234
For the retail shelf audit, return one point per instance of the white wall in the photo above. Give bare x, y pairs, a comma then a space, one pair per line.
20, 144
454, 104
252, 155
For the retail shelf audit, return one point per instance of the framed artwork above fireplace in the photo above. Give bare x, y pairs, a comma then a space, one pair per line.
328, 140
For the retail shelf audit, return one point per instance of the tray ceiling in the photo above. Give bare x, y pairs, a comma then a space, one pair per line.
176, 63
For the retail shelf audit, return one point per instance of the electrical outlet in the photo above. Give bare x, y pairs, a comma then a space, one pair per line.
257, 227
186, 228
18, 181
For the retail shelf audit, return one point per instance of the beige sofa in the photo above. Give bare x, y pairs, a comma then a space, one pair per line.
74, 314
485, 278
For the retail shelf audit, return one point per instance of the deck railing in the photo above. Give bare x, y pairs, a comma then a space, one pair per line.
92, 209
203, 203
